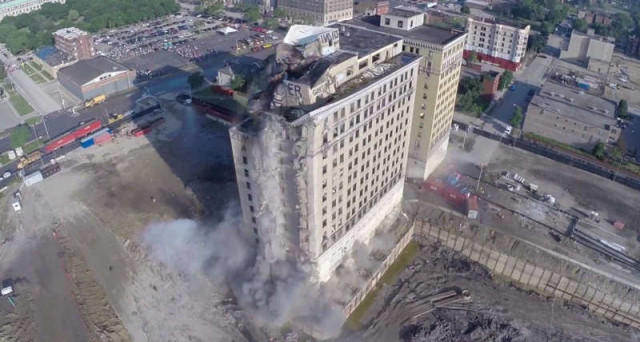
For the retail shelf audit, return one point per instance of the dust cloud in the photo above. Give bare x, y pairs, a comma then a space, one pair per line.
273, 294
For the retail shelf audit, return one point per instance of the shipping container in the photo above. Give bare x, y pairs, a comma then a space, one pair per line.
87, 129
102, 138
60, 142
33, 178
86, 143
472, 207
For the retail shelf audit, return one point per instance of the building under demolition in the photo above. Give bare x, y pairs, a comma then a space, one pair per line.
322, 159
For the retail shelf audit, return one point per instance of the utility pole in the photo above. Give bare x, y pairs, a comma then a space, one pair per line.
44, 123
479, 177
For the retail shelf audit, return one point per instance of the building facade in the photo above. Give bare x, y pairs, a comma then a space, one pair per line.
324, 164
584, 47
11, 8
441, 52
74, 42
495, 43
318, 12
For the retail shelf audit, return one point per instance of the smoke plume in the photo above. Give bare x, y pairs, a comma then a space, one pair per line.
274, 294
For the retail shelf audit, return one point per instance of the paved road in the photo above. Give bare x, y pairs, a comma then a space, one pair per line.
37, 98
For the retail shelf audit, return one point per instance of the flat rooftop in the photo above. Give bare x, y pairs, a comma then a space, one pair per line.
70, 33
426, 33
571, 103
405, 13
363, 41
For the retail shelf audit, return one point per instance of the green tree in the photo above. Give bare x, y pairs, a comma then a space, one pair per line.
252, 14
621, 147
465, 9
598, 150
623, 109
580, 25
505, 79
279, 13
238, 83
473, 57
536, 42
195, 80
271, 23
3, 73
73, 15
516, 120
215, 9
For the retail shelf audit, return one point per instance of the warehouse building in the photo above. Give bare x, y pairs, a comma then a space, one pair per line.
572, 117
97, 76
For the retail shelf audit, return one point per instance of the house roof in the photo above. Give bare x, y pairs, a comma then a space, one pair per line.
86, 70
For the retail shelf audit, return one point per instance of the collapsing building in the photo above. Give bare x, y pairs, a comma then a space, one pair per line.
321, 161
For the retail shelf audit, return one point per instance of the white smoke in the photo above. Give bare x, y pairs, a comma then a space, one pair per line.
273, 294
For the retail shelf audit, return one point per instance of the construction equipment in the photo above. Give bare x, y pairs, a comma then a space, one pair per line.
114, 117
94, 101
32, 157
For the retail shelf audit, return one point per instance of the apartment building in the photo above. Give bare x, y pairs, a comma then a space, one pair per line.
441, 52
11, 8
318, 12
74, 42
495, 43
321, 162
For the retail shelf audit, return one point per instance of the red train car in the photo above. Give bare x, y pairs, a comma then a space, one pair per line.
60, 142
87, 129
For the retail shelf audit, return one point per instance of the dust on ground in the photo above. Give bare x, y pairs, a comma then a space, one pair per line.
92, 280
496, 311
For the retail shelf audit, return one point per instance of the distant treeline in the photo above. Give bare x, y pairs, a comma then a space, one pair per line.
32, 30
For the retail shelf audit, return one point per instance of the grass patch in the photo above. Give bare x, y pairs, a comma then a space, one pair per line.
37, 78
554, 143
4, 159
35, 65
33, 121
404, 259
19, 103
20, 135
46, 75
32, 146
27, 69
389, 278
353, 321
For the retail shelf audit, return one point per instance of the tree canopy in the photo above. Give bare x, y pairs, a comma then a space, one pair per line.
516, 120
505, 79
623, 109
195, 80
32, 30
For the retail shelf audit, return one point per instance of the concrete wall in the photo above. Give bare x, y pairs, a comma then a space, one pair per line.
375, 278
543, 271
392, 21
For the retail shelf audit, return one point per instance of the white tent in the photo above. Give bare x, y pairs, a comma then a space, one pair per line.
227, 30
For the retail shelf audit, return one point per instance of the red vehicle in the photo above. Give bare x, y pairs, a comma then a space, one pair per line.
222, 90
453, 195
87, 129
60, 142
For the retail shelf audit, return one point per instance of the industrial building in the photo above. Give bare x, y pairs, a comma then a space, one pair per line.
321, 12
572, 117
11, 8
496, 43
74, 42
321, 162
593, 51
97, 76
441, 52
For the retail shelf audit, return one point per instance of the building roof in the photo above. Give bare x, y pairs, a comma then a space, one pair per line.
86, 70
303, 34
52, 56
361, 40
574, 104
426, 33
14, 3
319, 67
70, 33
403, 12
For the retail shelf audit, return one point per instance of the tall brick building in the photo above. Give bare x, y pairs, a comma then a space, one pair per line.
74, 42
